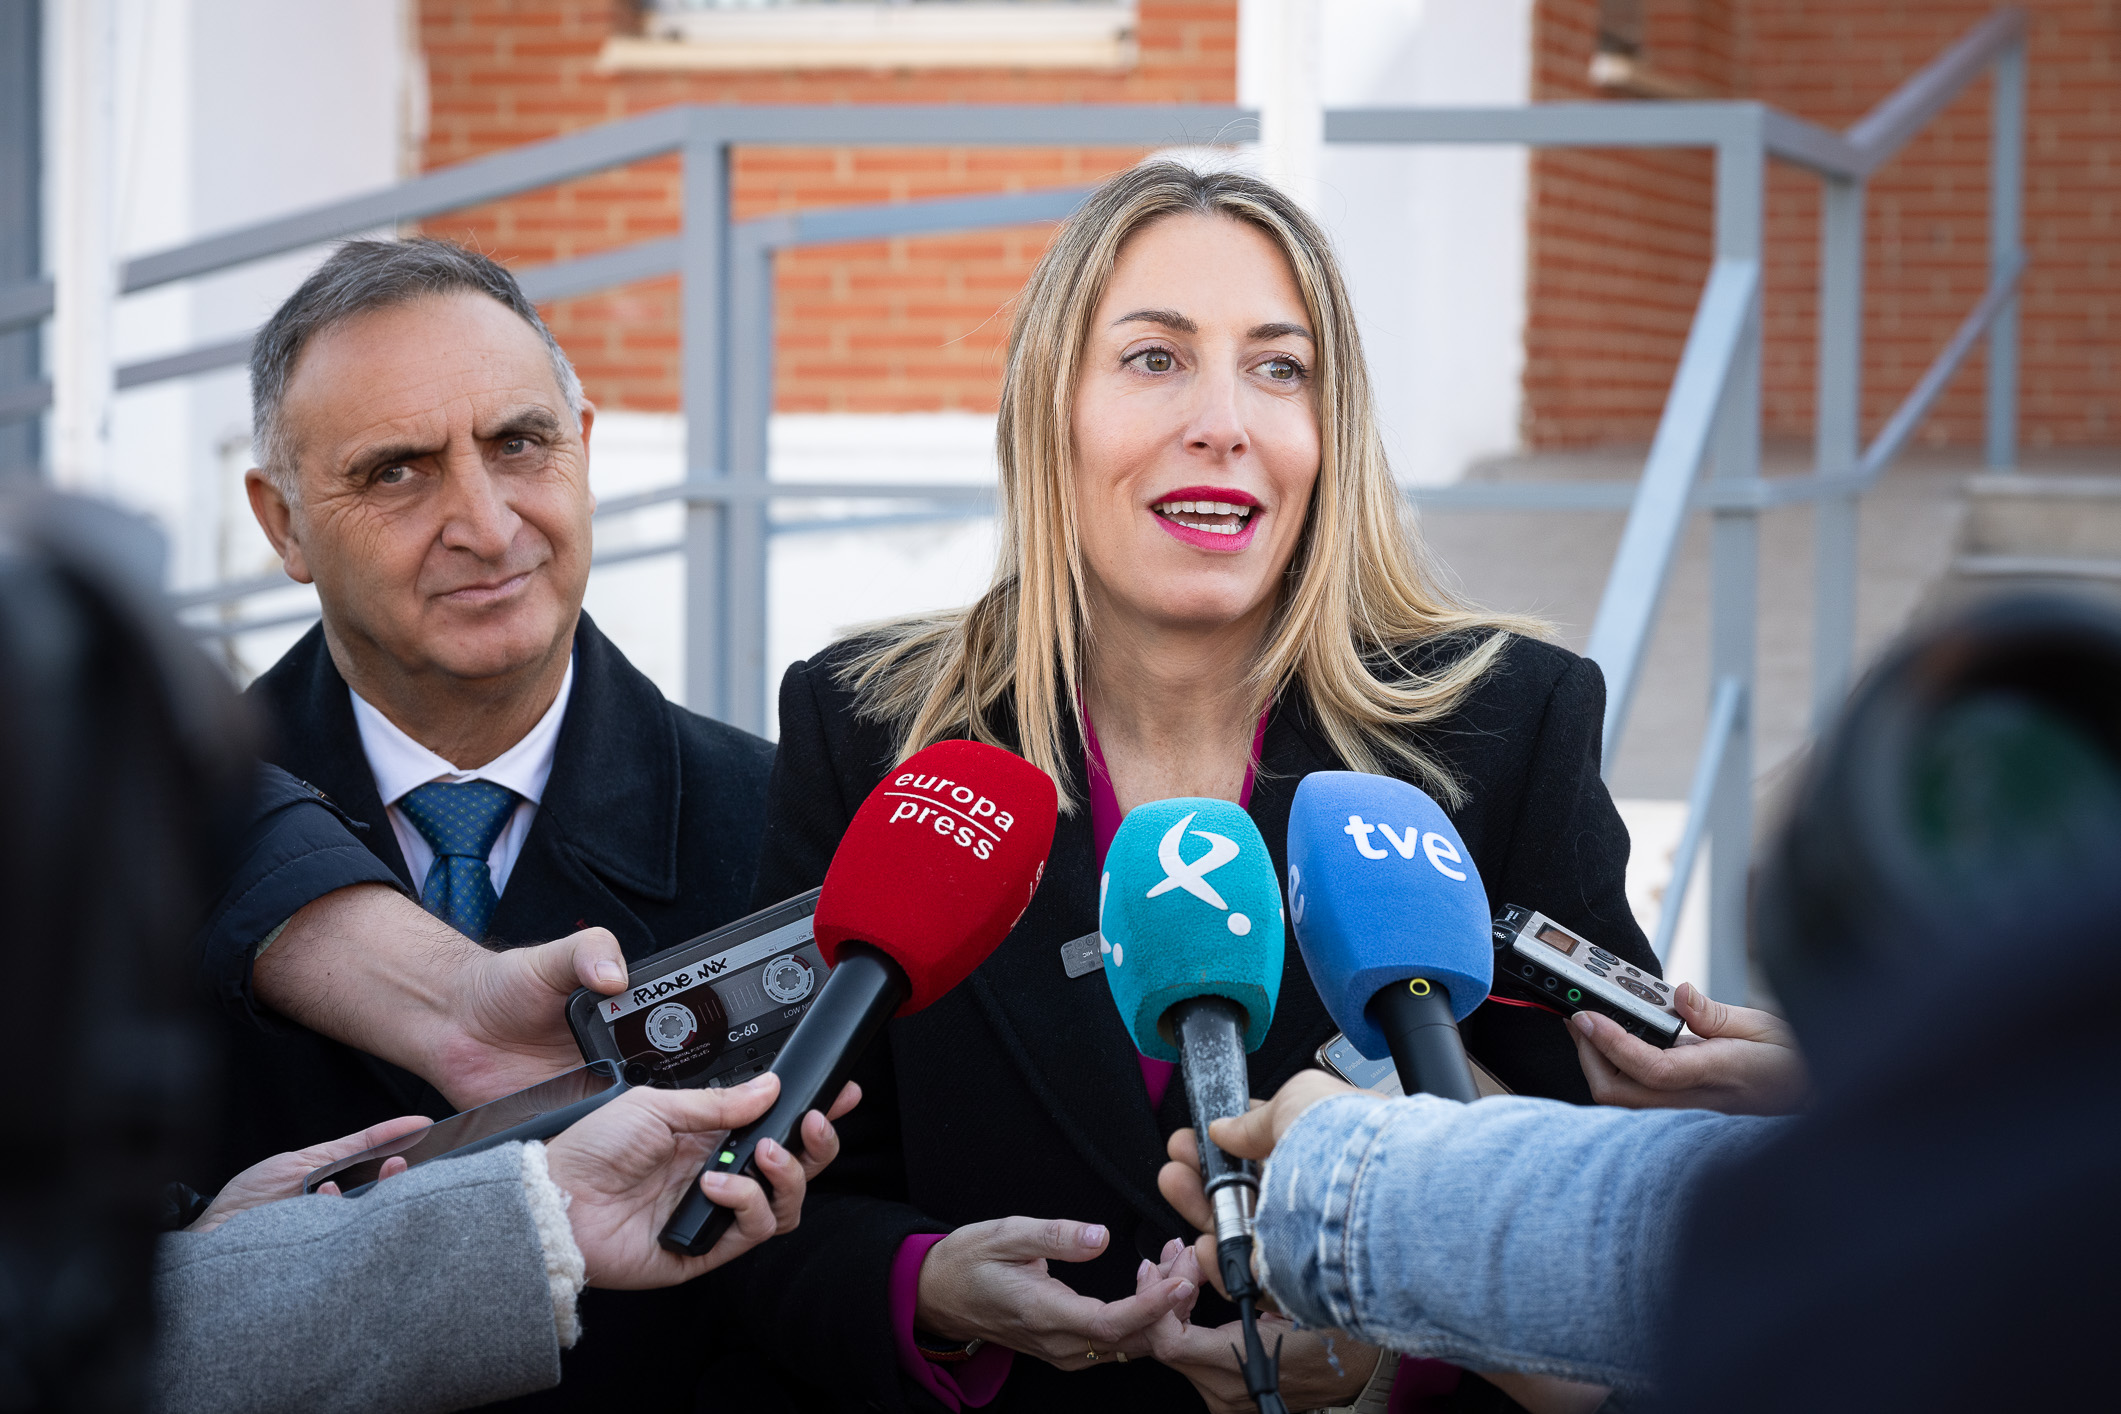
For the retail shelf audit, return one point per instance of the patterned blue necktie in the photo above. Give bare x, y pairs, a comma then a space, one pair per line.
460, 822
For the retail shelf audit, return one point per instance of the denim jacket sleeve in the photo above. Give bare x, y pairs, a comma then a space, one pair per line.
1515, 1234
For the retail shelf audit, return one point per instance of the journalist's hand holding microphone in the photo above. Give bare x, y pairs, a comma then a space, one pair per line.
1191, 920
626, 1164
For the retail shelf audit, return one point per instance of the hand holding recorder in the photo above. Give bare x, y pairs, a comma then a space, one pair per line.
369, 967
1739, 1061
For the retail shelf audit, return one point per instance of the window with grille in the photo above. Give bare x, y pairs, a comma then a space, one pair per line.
878, 34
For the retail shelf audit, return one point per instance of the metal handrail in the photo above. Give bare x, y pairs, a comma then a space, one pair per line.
1627, 611
650, 260
1705, 455
667, 130
1726, 712
1930, 386
1887, 127
24, 303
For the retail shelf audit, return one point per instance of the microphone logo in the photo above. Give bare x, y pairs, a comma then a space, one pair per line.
1441, 853
1193, 876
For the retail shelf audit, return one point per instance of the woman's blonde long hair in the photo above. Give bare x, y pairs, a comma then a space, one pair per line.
1359, 591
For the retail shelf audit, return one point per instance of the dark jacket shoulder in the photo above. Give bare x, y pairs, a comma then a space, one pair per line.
297, 846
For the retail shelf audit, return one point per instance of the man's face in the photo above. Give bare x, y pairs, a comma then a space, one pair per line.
443, 508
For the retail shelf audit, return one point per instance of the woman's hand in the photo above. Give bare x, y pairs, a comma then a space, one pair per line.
626, 1164
988, 1281
281, 1176
1207, 1355
1738, 1060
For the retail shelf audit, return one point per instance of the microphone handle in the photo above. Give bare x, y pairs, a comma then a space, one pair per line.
1415, 1016
1211, 1047
860, 993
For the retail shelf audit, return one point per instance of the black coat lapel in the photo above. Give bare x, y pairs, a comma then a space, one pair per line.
310, 711
610, 812
1064, 1033
1292, 750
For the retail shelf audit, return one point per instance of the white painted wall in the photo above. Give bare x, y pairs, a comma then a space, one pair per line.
820, 583
227, 112
1433, 239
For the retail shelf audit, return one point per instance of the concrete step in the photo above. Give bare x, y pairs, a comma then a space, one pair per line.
2045, 567
1972, 578
2066, 518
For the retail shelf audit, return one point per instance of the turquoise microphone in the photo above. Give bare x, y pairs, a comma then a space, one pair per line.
1190, 918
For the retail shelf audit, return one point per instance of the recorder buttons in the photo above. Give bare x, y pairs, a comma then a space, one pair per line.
787, 979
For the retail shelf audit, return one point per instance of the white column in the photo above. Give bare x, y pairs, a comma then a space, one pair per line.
1433, 237
1279, 52
83, 167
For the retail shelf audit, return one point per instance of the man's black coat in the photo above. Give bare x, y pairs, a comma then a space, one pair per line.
1019, 1093
649, 826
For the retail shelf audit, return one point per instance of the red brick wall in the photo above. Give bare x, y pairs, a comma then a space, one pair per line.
1619, 244
902, 325
1620, 239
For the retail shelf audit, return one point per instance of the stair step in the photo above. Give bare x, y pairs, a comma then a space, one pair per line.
1981, 566
2059, 517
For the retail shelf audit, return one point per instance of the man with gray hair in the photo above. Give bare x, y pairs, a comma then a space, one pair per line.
424, 461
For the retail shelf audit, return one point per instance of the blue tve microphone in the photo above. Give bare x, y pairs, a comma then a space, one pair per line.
1393, 922
1191, 927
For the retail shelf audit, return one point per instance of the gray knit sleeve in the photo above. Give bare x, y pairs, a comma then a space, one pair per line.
430, 1292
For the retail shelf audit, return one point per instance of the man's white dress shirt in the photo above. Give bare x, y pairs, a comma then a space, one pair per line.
399, 764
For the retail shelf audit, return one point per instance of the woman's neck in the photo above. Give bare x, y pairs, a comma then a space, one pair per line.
1171, 708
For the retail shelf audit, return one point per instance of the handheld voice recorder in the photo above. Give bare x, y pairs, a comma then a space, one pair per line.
1576, 974
714, 1011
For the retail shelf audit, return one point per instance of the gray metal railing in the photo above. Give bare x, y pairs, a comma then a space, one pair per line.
1711, 416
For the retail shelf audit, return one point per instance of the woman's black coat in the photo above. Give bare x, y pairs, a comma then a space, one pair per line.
1019, 1092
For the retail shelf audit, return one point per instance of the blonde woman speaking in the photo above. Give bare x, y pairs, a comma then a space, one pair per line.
1208, 584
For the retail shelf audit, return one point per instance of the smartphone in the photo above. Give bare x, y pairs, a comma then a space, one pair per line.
539, 1112
713, 1011
1380, 1077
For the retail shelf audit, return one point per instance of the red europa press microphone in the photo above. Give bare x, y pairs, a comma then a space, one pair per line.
934, 870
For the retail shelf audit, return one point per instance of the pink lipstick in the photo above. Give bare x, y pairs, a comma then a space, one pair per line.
1215, 518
